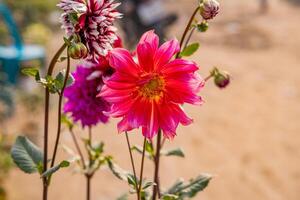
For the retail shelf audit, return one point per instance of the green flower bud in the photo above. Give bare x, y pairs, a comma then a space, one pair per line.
78, 51
203, 26
221, 79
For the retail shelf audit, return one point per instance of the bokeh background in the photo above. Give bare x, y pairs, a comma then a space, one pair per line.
247, 135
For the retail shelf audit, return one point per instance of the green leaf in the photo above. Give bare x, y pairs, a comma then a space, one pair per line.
54, 169
65, 120
174, 152
176, 187
27, 156
131, 180
190, 50
122, 174
61, 59
149, 150
31, 71
123, 197
196, 185
117, 171
148, 184
190, 189
170, 197
60, 79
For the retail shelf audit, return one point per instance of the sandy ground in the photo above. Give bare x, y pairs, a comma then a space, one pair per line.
246, 135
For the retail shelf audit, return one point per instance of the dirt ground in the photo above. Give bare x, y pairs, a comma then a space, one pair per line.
247, 135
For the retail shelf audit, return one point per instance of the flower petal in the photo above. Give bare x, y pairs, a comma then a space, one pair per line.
122, 61
165, 53
151, 38
179, 66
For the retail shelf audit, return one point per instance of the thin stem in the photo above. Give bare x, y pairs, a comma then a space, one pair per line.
156, 189
77, 147
189, 37
59, 112
208, 77
163, 143
90, 144
89, 175
46, 120
142, 168
187, 29
131, 157
88, 187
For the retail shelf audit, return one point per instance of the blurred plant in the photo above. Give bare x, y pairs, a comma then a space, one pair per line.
6, 100
31, 11
96, 158
37, 33
5, 163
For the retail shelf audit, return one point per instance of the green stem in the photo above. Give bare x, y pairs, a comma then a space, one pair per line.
156, 189
189, 37
88, 187
78, 148
142, 170
61, 95
187, 30
132, 161
46, 120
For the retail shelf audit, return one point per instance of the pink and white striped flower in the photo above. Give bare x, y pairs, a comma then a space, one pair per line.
92, 21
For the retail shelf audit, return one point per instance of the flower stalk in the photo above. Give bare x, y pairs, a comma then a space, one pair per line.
156, 188
142, 169
132, 161
46, 119
60, 112
187, 29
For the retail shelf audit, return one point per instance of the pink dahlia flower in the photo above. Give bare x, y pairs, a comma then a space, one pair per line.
149, 93
82, 103
93, 21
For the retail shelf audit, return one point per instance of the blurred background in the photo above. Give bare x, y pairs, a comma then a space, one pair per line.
246, 135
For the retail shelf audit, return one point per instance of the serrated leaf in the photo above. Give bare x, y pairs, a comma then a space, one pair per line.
177, 186
174, 152
27, 156
117, 171
190, 50
196, 185
54, 169
31, 71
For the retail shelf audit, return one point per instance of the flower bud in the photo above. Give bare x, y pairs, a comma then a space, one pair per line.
209, 9
222, 79
78, 51
203, 26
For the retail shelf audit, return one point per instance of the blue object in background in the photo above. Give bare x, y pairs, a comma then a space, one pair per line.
12, 56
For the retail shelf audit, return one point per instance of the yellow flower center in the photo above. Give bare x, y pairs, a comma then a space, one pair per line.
152, 87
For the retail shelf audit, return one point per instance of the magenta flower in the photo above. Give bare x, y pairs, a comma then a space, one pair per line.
82, 103
149, 94
92, 20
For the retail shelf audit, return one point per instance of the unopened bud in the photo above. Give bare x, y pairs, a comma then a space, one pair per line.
203, 26
78, 51
222, 79
209, 9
